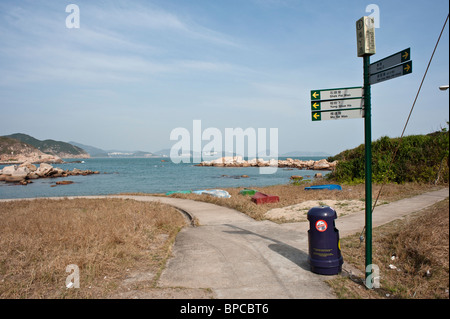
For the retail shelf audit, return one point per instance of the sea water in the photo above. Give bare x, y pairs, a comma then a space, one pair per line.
148, 175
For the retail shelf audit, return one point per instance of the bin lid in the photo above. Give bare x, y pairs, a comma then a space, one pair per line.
322, 212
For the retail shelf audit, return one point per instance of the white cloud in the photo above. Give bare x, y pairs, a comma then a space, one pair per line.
114, 43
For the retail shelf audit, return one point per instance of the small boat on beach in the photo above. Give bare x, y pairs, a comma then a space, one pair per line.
247, 191
213, 192
261, 198
328, 186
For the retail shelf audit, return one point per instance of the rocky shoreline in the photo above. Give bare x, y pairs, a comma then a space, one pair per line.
24, 174
35, 158
238, 161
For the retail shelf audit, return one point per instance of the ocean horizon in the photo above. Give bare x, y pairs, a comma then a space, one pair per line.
149, 175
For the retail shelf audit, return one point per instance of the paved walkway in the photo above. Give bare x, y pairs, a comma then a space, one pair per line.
238, 257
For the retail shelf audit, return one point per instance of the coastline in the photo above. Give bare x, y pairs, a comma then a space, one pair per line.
238, 161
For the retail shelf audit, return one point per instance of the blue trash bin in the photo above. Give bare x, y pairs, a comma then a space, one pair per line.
323, 240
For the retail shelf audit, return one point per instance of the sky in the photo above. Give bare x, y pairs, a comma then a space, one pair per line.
133, 71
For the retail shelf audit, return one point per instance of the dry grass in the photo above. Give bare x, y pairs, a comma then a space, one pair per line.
293, 194
420, 244
105, 238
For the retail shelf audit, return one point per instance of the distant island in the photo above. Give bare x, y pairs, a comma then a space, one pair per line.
97, 152
20, 148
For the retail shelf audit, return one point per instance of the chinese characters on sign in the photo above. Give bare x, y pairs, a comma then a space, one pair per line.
336, 104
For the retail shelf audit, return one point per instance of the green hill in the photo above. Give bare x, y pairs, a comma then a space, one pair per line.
14, 146
61, 149
420, 158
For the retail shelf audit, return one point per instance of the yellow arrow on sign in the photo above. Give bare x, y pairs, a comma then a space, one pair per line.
315, 95
315, 105
407, 67
316, 115
405, 56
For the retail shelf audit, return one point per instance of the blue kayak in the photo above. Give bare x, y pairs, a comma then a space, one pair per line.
329, 186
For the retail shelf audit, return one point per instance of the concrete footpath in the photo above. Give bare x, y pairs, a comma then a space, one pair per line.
237, 257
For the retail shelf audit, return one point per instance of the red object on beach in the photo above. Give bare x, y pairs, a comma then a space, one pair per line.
260, 198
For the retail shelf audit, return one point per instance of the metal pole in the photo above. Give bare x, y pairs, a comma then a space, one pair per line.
368, 168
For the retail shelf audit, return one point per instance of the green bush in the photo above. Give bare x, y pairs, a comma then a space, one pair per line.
415, 158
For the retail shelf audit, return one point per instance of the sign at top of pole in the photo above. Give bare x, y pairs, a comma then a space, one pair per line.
365, 36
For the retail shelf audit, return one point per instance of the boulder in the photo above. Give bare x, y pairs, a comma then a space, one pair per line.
333, 164
43, 169
31, 167
64, 182
262, 163
273, 163
21, 172
228, 160
322, 164
55, 172
32, 175
76, 171
8, 170
217, 161
14, 179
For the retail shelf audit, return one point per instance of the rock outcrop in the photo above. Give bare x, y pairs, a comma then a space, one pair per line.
27, 171
238, 161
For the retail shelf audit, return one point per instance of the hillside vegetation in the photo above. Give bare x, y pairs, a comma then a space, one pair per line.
57, 148
419, 158
12, 146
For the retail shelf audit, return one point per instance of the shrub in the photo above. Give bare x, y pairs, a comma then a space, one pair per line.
415, 158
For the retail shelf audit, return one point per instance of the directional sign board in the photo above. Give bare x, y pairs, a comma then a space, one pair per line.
396, 71
337, 104
337, 115
333, 94
390, 61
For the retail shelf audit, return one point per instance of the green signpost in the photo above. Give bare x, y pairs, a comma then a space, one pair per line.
368, 169
355, 102
393, 66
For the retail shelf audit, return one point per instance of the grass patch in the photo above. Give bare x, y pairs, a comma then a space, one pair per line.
105, 238
420, 246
